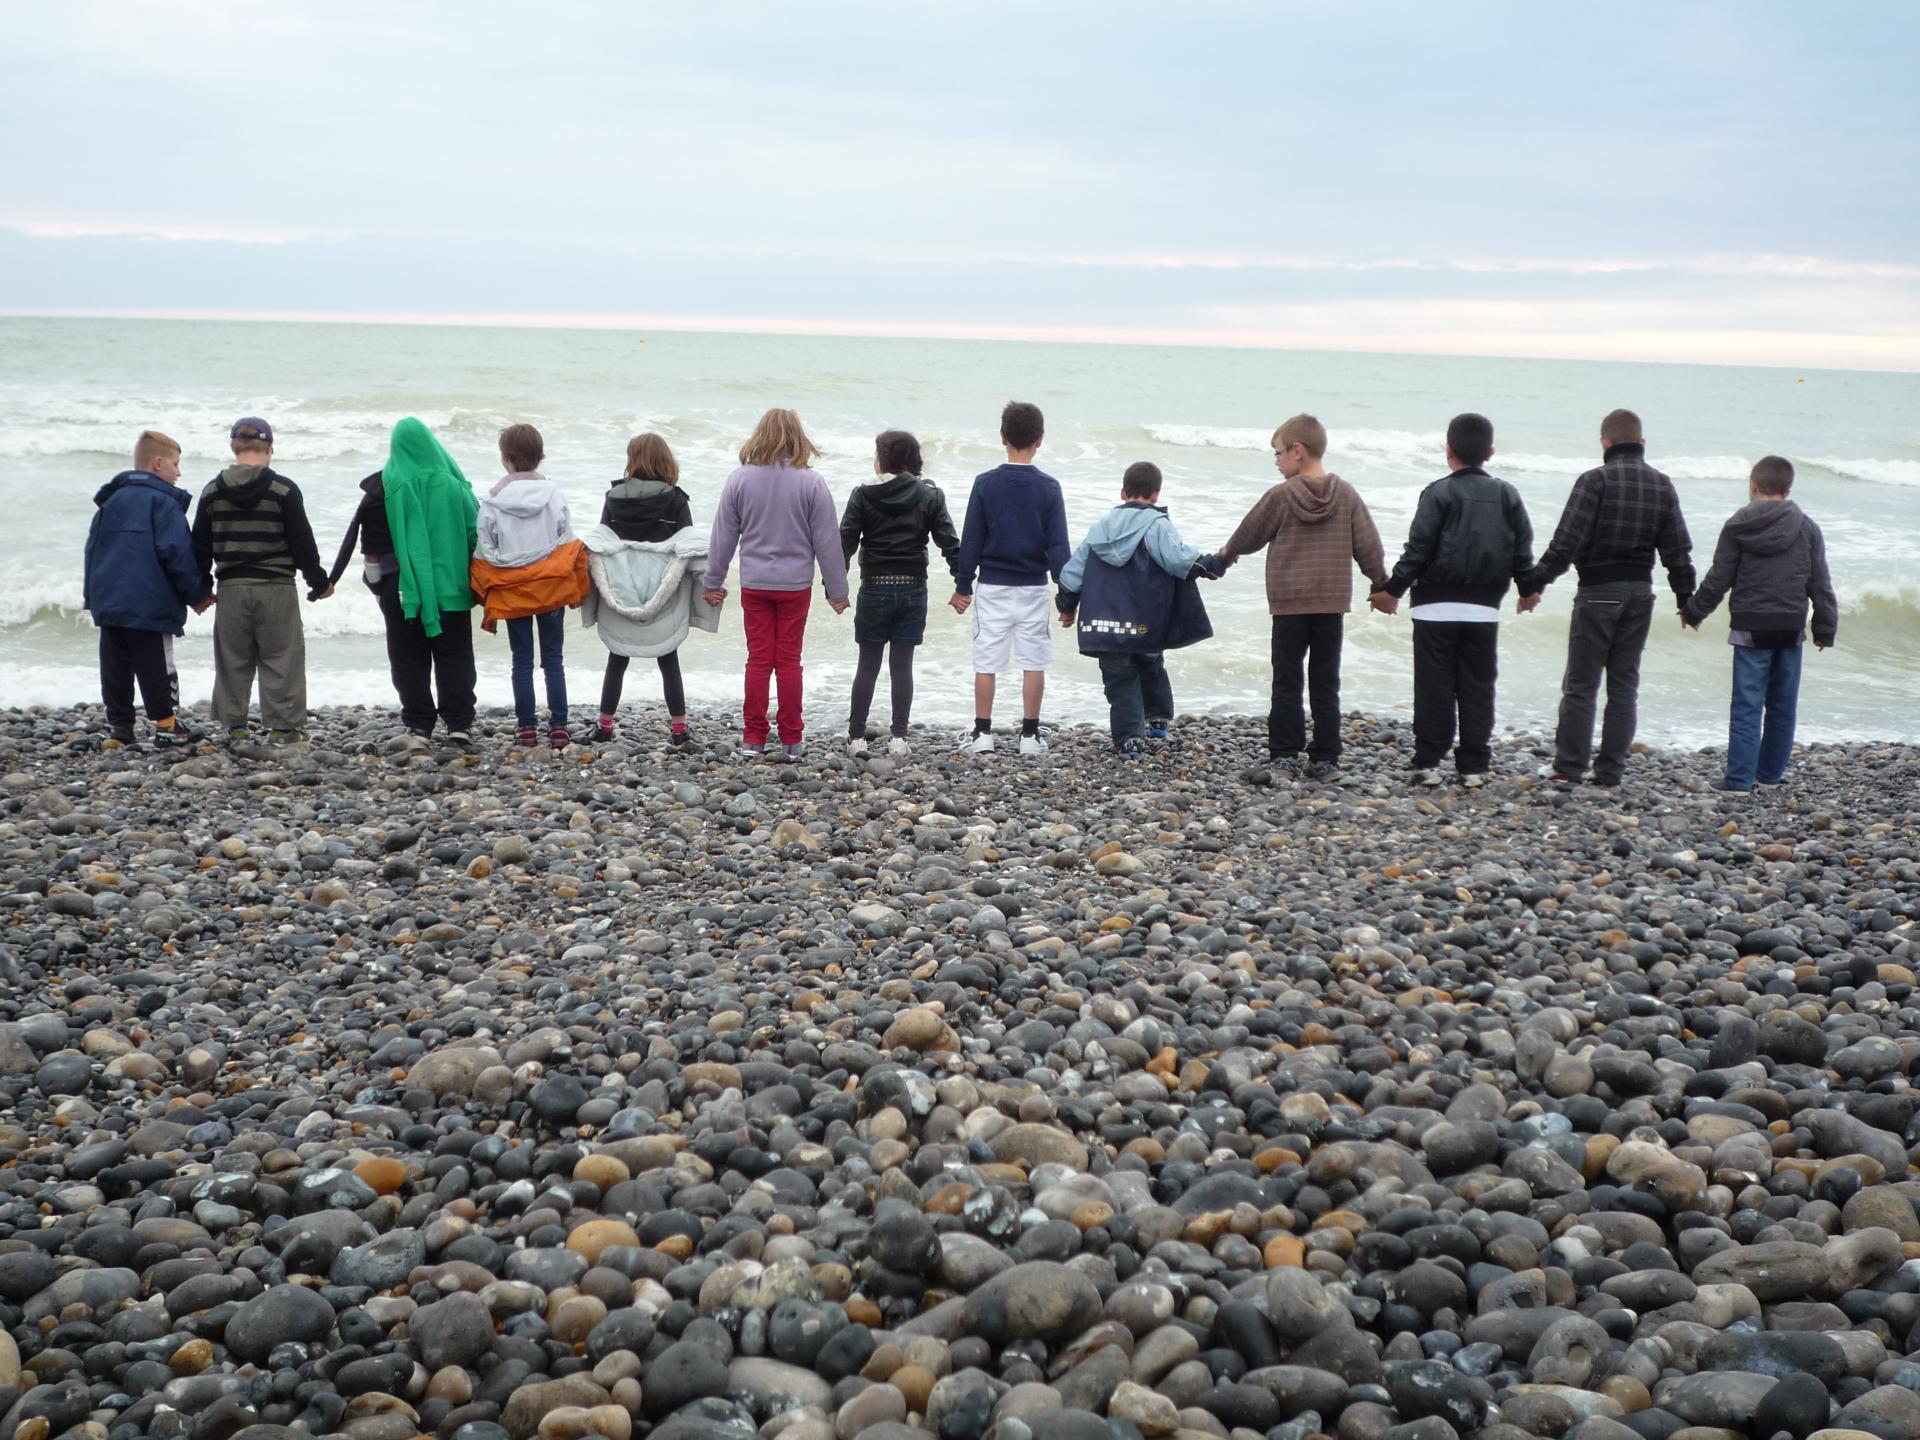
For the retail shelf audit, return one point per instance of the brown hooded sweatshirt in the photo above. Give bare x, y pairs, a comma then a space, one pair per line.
1315, 532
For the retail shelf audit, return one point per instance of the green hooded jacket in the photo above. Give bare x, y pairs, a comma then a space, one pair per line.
434, 516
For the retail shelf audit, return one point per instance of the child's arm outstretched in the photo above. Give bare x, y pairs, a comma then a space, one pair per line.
1720, 577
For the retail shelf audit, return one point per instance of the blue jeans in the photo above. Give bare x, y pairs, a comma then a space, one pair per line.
552, 626
1766, 693
1137, 689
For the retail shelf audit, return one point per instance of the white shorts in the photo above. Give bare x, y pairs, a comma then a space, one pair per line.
1011, 623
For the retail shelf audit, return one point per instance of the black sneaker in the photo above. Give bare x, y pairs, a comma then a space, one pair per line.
1288, 765
682, 738
1133, 749
174, 737
123, 734
1322, 770
1726, 785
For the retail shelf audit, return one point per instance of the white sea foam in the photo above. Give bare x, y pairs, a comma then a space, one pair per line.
1878, 472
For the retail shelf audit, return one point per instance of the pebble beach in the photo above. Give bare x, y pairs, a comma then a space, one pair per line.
370, 1089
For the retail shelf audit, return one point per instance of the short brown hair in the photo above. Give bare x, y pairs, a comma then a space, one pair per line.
898, 452
1304, 431
1621, 427
779, 439
1142, 480
522, 448
1773, 475
1022, 425
151, 446
650, 458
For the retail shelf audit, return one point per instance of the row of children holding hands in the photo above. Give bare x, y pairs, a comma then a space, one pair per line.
431, 550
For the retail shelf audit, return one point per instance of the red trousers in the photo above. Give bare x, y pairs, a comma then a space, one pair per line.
776, 624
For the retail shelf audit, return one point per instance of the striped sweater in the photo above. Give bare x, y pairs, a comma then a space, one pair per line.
251, 527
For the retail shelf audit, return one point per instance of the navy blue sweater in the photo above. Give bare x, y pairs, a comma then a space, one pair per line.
1016, 530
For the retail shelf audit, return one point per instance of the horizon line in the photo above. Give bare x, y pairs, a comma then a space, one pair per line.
1901, 352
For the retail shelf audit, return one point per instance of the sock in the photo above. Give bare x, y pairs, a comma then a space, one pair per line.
679, 727
166, 724
983, 725
1030, 726
606, 722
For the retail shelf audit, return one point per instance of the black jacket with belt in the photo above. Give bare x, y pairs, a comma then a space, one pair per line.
889, 523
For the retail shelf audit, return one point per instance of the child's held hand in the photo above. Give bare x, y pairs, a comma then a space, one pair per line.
960, 603
1385, 603
1066, 620
713, 597
839, 606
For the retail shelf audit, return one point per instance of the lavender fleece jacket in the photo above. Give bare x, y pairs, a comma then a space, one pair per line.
782, 521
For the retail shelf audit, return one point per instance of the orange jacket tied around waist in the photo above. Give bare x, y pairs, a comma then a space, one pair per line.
559, 580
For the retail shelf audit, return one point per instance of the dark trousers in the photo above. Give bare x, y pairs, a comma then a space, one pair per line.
1606, 638
672, 688
1137, 688
145, 656
551, 628
1309, 644
1455, 665
900, 681
422, 664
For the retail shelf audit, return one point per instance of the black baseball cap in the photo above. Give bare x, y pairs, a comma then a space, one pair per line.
251, 427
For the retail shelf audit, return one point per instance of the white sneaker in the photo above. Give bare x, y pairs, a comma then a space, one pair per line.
1474, 781
1424, 777
1032, 745
982, 743
857, 747
898, 746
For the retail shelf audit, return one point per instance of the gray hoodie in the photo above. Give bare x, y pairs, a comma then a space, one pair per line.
1774, 560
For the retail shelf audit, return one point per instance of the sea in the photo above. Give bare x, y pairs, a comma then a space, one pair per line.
75, 393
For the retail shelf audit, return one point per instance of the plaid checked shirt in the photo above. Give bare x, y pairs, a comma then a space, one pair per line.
1616, 517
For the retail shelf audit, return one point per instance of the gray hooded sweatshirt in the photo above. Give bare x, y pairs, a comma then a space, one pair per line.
1774, 560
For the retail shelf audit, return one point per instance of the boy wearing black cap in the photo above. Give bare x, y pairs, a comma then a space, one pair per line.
251, 530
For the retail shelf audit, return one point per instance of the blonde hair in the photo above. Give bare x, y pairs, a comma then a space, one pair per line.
650, 458
779, 440
1305, 431
151, 446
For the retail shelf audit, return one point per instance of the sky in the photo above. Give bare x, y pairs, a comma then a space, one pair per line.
1717, 182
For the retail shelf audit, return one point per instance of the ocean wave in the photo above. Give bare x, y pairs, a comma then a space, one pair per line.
1876, 472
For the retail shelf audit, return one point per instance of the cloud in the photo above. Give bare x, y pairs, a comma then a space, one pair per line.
129, 228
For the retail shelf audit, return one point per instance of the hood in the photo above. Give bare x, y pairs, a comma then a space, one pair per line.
1768, 527
375, 485
244, 485
526, 496
894, 495
644, 495
1310, 502
1119, 532
139, 480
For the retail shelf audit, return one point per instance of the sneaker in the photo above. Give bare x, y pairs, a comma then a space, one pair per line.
795, 752
1555, 776
121, 733
559, 737
1771, 784
1322, 770
174, 737
528, 737
751, 751
459, 739
982, 743
602, 732
1475, 780
1033, 745
899, 746
424, 736
857, 745
682, 737
237, 734
1288, 765
1157, 729
1730, 788
1132, 749
1604, 782
1425, 777
286, 737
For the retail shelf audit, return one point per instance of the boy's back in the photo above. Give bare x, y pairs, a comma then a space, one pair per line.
1016, 529
1315, 530
1773, 559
